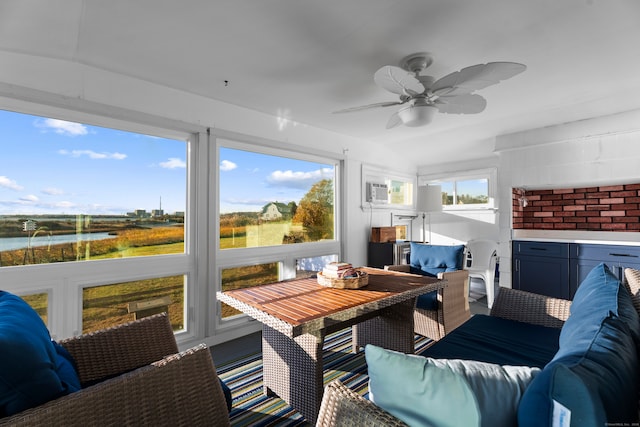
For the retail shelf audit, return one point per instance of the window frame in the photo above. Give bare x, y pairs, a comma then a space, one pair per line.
285, 255
489, 174
64, 282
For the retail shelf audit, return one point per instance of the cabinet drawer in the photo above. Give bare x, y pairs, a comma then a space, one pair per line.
546, 249
608, 253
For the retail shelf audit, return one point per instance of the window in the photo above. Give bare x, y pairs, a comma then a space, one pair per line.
277, 217
75, 192
95, 215
474, 191
382, 189
267, 200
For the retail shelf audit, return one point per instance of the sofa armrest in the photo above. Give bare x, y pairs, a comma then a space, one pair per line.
343, 407
113, 351
531, 308
182, 389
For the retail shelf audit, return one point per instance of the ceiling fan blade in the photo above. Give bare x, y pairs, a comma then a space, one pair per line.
394, 121
399, 81
477, 77
369, 106
462, 104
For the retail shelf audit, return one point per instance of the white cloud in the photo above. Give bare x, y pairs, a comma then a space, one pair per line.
10, 184
93, 154
301, 180
227, 165
173, 163
29, 198
63, 127
52, 191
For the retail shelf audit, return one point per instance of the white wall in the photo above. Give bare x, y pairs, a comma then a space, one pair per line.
598, 151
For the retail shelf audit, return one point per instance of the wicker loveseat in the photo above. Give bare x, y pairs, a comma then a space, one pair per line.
133, 374
583, 353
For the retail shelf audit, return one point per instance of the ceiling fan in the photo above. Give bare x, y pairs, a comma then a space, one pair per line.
422, 96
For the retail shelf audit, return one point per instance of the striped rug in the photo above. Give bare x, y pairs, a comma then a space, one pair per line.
252, 408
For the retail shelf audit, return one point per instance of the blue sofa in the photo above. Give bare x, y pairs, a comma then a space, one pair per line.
534, 361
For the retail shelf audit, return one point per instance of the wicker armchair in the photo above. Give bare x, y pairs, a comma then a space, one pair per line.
342, 407
133, 374
453, 305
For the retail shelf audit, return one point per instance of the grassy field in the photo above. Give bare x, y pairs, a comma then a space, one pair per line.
106, 305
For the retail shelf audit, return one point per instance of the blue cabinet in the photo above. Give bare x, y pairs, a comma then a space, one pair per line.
585, 256
541, 268
557, 269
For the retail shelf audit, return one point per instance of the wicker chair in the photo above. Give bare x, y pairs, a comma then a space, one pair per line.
133, 374
453, 305
342, 407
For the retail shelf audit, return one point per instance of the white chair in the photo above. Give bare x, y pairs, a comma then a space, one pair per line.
481, 264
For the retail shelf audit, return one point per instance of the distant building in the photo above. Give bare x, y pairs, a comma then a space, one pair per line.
157, 213
274, 211
139, 213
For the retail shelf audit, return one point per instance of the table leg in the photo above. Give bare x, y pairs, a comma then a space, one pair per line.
292, 369
392, 329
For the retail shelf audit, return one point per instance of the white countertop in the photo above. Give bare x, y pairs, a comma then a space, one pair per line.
572, 236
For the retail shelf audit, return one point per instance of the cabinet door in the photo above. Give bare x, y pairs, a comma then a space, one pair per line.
542, 275
380, 254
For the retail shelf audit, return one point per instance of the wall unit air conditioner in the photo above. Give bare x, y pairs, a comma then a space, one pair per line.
377, 193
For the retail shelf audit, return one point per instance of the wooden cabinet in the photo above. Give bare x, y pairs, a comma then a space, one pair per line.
557, 269
541, 267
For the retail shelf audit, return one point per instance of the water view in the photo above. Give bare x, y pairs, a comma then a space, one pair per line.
13, 243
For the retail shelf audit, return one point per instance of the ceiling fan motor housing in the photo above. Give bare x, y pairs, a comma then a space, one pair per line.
417, 115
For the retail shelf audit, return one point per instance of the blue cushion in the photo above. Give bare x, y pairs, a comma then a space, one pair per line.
428, 301
434, 259
598, 348
444, 392
497, 340
28, 360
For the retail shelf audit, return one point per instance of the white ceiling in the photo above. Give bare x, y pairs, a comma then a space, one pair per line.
303, 59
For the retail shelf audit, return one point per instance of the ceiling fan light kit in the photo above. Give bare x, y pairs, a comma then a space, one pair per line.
422, 96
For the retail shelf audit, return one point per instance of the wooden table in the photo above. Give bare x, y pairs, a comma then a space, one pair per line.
298, 314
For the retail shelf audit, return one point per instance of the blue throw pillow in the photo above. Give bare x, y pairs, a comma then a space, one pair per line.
28, 360
422, 391
598, 353
433, 259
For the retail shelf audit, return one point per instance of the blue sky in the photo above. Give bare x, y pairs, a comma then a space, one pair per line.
250, 180
50, 166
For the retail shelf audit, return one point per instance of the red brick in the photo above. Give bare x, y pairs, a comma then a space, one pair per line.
587, 190
627, 206
566, 214
564, 226
624, 193
633, 213
614, 226
612, 188
541, 192
574, 208
597, 207
598, 195
632, 187
552, 219
532, 197
542, 203
632, 199
563, 190
634, 226
613, 213
542, 214
551, 197
575, 219
583, 201
610, 201
626, 219
587, 226
588, 213
565, 202
573, 196
551, 208
599, 219
543, 226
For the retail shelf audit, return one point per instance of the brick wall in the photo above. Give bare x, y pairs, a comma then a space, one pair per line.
610, 208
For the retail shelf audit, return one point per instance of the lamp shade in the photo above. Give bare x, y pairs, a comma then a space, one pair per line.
417, 115
429, 198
